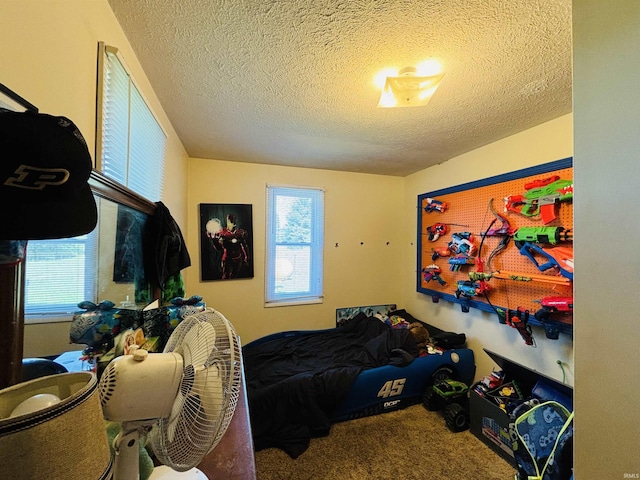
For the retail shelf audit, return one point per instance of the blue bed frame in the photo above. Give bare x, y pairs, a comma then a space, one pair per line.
389, 388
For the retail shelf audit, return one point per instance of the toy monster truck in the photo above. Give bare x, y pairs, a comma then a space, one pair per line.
451, 396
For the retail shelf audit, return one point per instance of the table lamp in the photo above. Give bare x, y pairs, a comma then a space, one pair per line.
52, 428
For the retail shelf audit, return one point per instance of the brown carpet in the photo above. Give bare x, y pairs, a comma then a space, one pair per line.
409, 444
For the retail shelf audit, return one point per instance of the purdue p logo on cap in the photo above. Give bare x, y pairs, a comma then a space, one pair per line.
44, 172
37, 178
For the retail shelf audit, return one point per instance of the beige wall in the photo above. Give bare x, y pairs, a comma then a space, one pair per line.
358, 208
544, 143
48, 55
607, 147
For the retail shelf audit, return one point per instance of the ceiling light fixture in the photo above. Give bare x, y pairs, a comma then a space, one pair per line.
411, 86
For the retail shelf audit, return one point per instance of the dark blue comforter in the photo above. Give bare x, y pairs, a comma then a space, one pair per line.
295, 381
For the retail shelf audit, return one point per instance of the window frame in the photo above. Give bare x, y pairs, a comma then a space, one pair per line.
135, 91
315, 294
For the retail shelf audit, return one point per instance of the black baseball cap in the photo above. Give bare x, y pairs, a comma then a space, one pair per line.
44, 172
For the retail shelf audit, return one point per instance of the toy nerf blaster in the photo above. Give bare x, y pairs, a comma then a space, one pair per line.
438, 229
467, 288
550, 235
559, 258
457, 262
522, 277
550, 307
519, 319
540, 198
432, 272
462, 243
440, 252
434, 205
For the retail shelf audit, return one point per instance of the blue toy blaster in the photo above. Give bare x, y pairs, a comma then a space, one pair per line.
560, 258
455, 263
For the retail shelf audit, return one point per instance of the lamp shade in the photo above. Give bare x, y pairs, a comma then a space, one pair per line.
409, 89
66, 440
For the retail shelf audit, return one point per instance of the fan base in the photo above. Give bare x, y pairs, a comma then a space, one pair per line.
163, 472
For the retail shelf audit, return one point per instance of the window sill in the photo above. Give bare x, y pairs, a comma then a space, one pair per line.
37, 319
289, 303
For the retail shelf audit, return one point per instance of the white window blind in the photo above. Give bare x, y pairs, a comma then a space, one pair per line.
58, 275
130, 142
295, 239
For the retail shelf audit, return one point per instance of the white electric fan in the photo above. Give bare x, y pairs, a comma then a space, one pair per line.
182, 399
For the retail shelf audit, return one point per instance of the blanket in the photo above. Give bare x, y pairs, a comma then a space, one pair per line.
294, 383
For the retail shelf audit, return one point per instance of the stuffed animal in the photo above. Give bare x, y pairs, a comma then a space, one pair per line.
95, 325
421, 334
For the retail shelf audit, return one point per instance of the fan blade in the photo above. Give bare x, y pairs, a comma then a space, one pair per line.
178, 404
198, 411
212, 390
198, 343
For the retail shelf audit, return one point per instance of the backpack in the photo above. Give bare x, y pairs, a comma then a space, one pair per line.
543, 441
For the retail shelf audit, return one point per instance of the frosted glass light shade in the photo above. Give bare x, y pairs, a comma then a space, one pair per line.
408, 89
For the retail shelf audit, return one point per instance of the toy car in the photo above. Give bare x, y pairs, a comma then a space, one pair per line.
452, 396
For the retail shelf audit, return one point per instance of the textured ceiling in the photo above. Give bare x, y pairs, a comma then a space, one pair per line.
291, 82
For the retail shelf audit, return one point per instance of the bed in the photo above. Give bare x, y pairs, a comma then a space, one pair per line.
301, 382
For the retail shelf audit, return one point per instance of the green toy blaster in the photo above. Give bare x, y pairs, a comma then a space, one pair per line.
550, 235
540, 198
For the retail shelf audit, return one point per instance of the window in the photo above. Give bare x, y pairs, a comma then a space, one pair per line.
58, 275
130, 143
295, 237
130, 149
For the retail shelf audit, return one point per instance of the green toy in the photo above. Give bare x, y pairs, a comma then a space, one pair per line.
452, 396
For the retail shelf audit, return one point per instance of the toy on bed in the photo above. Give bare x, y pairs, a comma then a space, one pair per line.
301, 382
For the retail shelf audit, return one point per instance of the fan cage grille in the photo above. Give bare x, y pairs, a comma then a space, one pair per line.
107, 384
211, 396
